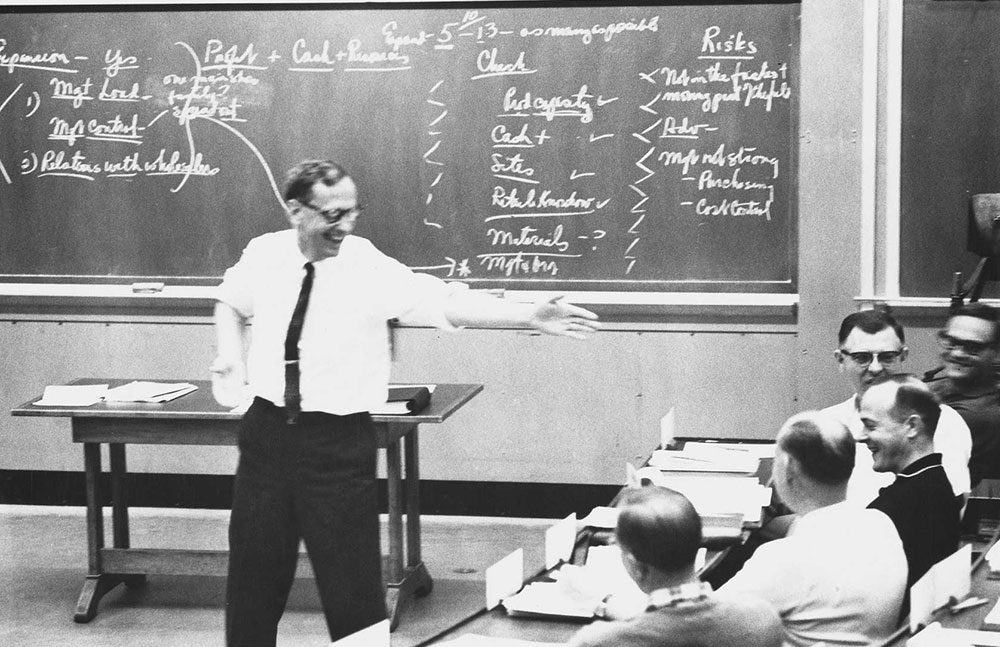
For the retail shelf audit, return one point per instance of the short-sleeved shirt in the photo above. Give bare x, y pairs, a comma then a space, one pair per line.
344, 346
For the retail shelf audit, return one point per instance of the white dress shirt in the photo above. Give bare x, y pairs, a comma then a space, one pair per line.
344, 348
838, 578
952, 439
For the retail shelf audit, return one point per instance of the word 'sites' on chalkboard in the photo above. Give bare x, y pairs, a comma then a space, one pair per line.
589, 147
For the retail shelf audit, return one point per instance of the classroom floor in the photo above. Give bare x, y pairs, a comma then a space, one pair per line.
43, 561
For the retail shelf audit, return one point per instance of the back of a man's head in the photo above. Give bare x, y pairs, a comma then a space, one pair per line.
822, 447
869, 322
660, 528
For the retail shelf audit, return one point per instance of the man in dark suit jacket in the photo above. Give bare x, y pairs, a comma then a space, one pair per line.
899, 415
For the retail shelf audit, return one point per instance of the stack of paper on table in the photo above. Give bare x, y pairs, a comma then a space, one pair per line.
137, 391
74, 395
576, 591
716, 495
706, 457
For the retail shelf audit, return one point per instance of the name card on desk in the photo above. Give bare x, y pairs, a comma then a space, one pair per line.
377, 635
949, 579
559, 541
504, 578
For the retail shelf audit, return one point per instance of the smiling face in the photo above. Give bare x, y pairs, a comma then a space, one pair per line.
967, 349
318, 237
886, 437
865, 357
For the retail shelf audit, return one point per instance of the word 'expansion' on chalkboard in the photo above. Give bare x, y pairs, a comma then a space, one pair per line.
595, 148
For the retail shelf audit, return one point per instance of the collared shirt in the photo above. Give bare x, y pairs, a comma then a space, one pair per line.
924, 511
838, 577
344, 347
979, 406
691, 614
952, 440
674, 595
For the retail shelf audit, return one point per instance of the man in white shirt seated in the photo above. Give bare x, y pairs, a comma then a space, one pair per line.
872, 344
839, 577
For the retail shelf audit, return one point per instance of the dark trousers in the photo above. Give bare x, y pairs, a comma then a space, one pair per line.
313, 480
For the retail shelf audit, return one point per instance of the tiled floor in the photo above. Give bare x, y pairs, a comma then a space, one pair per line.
43, 561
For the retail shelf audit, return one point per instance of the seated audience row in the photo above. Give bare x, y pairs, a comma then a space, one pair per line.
840, 572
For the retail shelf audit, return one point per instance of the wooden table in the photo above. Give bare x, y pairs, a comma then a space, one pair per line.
196, 419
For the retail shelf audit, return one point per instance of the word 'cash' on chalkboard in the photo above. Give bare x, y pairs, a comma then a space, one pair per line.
586, 147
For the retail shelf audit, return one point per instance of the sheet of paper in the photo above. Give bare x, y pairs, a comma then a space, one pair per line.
138, 391
504, 578
758, 450
71, 396
376, 635
559, 541
601, 517
937, 636
949, 578
667, 429
704, 459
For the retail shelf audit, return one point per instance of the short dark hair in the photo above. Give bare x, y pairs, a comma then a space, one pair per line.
300, 179
870, 322
660, 527
822, 445
980, 311
914, 397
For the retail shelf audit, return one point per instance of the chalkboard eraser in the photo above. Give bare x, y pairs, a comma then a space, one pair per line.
148, 287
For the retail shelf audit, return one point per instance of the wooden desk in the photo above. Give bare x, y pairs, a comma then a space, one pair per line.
196, 419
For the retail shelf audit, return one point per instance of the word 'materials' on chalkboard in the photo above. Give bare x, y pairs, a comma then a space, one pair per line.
602, 148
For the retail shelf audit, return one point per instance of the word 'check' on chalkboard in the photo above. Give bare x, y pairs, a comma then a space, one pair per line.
645, 148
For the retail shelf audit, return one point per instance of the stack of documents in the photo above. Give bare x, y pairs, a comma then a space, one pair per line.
576, 591
709, 457
716, 495
75, 395
137, 391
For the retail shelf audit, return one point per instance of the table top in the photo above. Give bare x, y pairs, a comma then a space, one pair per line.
200, 404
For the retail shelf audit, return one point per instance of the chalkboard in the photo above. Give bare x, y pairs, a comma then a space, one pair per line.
950, 137
574, 147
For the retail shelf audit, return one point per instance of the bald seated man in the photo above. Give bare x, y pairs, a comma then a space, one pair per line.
659, 534
900, 414
839, 576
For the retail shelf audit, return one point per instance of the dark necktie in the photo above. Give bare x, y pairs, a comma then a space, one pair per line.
293, 399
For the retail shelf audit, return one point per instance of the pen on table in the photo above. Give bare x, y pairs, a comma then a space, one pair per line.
968, 604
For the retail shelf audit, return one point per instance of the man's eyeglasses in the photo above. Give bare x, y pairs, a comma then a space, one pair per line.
968, 346
865, 358
333, 216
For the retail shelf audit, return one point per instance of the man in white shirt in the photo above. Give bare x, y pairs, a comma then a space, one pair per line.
839, 576
317, 362
872, 344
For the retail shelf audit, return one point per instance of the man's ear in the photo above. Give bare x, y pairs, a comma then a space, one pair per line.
903, 353
293, 211
635, 568
914, 426
839, 356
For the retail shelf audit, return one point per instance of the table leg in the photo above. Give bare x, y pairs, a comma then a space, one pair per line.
119, 506
98, 582
414, 562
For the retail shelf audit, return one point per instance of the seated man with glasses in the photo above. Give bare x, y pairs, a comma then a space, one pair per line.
871, 346
967, 382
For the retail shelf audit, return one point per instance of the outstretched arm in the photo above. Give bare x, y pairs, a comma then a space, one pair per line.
553, 317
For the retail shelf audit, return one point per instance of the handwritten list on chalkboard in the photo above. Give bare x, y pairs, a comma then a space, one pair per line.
605, 148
